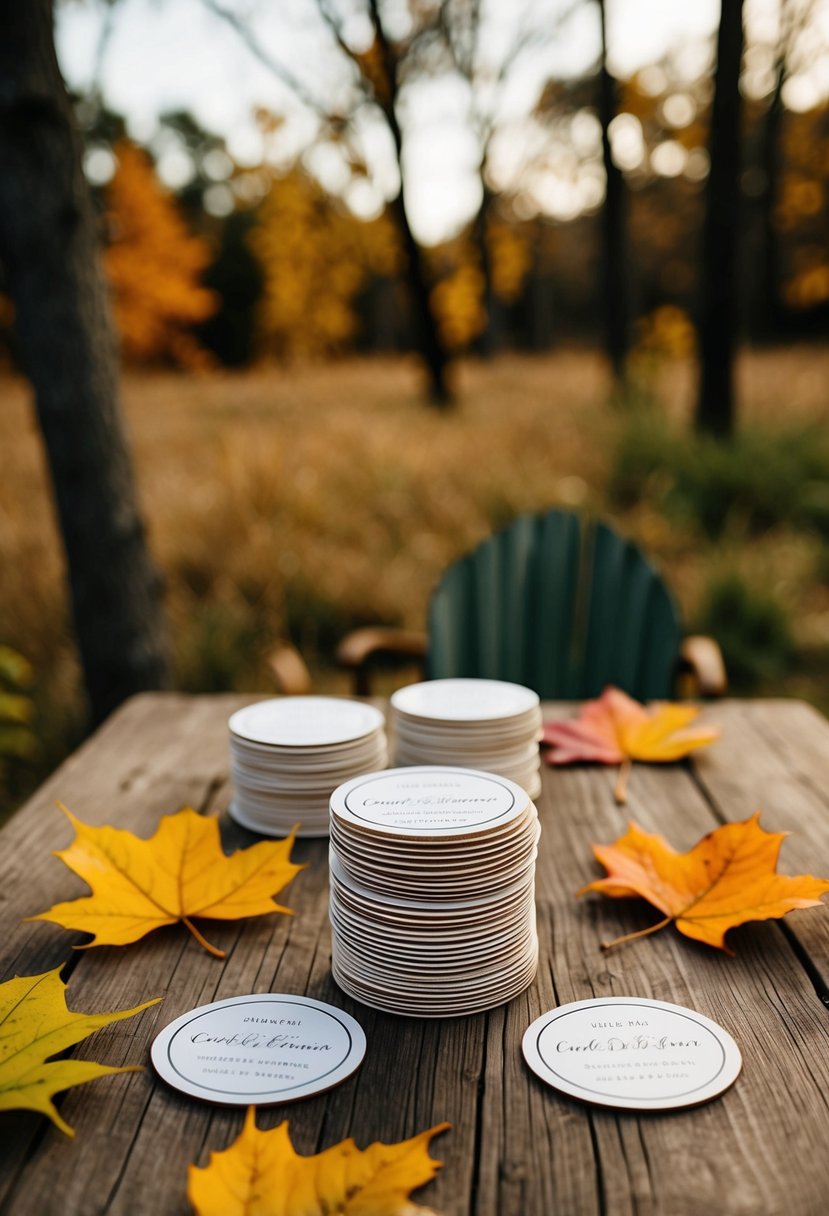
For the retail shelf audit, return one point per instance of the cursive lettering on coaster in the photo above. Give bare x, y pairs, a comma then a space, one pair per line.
435, 801
632, 1053
259, 1050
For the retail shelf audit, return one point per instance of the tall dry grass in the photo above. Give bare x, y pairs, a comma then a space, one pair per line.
304, 501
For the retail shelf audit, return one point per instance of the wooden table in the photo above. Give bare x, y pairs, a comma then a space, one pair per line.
516, 1148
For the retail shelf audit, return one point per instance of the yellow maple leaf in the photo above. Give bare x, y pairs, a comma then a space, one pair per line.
179, 873
727, 878
615, 729
261, 1175
35, 1024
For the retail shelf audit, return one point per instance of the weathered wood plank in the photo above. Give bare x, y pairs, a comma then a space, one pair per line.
118, 1162
156, 754
774, 757
734, 1156
515, 1147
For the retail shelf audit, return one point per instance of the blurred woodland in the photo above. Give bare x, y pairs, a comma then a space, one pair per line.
642, 249
240, 263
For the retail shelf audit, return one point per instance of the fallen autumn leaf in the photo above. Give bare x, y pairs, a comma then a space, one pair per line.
179, 873
615, 729
261, 1175
35, 1024
727, 878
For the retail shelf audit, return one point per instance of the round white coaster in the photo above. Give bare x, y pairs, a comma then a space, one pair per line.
431, 801
259, 1050
305, 721
464, 700
632, 1053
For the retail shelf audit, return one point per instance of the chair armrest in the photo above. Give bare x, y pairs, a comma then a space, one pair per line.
358, 648
288, 669
701, 658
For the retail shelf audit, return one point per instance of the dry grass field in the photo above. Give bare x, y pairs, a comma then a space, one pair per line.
300, 502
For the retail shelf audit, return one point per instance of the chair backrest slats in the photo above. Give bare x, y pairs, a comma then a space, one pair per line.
559, 604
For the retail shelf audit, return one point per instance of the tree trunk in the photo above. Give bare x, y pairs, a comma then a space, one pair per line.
718, 320
614, 286
490, 338
426, 326
427, 335
771, 304
48, 244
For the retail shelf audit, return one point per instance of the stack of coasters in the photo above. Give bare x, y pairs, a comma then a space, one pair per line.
482, 724
287, 755
433, 890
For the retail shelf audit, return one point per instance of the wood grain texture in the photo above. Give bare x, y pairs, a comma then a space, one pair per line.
516, 1148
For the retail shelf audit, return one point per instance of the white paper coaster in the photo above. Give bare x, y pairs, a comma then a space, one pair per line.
632, 1053
463, 700
305, 721
259, 1050
429, 802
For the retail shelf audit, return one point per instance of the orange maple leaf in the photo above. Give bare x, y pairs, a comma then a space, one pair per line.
615, 729
180, 872
261, 1175
727, 878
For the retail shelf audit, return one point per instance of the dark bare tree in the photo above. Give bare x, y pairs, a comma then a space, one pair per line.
49, 249
718, 303
488, 67
614, 285
378, 77
796, 36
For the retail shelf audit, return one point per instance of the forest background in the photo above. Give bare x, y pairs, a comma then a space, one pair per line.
334, 384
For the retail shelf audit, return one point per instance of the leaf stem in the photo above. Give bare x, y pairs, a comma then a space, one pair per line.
620, 793
629, 937
214, 950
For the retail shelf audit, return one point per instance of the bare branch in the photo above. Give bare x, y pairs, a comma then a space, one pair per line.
101, 48
282, 73
333, 25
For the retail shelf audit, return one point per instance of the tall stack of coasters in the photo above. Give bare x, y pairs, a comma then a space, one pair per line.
287, 755
433, 890
482, 724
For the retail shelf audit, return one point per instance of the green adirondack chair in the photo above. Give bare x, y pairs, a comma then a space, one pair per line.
559, 603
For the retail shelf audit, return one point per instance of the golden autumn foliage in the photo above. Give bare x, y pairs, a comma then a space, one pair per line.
316, 257
153, 264
665, 333
802, 207
459, 297
458, 303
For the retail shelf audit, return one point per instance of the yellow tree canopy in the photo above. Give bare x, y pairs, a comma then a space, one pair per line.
802, 211
316, 257
154, 265
458, 297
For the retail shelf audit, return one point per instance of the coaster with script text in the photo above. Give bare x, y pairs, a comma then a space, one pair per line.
259, 1050
632, 1053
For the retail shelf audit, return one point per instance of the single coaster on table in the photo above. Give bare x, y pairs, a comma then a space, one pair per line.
259, 1050
631, 1053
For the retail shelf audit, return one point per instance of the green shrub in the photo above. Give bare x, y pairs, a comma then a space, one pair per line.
645, 463
218, 647
316, 624
753, 629
750, 483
